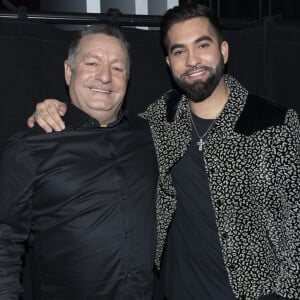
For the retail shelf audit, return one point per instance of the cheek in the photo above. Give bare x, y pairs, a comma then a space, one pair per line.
123, 90
121, 82
177, 67
83, 75
214, 58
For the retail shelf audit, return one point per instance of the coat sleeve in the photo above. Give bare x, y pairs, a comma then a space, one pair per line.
288, 187
17, 172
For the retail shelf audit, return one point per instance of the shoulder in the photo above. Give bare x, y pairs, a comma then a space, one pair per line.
259, 114
23, 141
164, 107
22, 136
16, 149
29, 132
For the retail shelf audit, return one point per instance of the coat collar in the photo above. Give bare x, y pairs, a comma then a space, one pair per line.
170, 121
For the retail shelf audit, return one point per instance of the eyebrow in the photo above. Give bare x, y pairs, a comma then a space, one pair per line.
95, 56
198, 40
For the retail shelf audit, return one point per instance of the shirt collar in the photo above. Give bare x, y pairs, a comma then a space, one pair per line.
76, 118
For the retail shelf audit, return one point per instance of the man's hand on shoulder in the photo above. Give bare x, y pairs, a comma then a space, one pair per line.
48, 115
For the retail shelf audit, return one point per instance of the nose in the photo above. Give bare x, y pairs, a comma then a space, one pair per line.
192, 59
103, 74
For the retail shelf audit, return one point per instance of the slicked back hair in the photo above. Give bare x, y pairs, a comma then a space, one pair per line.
186, 12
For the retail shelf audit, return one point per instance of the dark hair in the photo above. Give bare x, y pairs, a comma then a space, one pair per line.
183, 13
95, 29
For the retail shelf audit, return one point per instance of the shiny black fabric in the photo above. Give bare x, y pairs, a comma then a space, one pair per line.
83, 200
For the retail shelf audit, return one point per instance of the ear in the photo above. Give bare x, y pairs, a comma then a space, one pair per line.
68, 72
225, 51
168, 60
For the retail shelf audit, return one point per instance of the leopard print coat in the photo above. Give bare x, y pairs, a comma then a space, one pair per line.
252, 163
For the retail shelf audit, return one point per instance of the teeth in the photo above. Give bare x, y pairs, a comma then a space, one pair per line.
196, 73
99, 91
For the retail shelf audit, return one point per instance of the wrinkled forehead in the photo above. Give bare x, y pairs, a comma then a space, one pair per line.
100, 43
103, 41
100, 46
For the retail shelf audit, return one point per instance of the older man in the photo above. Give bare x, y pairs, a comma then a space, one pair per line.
82, 201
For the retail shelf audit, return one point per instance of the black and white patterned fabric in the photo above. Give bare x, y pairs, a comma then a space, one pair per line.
253, 168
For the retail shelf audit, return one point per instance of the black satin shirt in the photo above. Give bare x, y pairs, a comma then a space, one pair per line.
83, 202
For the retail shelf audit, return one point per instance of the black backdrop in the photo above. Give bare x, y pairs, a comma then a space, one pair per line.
264, 58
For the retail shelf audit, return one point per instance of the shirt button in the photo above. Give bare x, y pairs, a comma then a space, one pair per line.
124, 196
126, 235
92, 122
128, 275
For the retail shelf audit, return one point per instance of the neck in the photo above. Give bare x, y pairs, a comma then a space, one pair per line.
104, 118
105, 121
211, 107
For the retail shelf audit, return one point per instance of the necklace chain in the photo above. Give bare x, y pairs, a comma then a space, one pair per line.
200, 143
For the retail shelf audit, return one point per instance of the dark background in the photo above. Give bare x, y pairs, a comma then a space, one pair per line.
237, 9
252, 9
264, 56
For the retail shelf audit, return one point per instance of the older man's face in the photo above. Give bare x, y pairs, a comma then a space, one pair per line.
98, 81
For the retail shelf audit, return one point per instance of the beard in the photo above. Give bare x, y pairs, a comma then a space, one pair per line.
201, 89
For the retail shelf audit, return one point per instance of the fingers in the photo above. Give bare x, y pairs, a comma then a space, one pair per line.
48, 115
31, 121
45, 122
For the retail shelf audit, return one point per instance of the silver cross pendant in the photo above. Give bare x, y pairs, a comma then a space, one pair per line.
200, 144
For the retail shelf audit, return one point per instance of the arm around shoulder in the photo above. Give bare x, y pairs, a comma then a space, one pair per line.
48, 115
